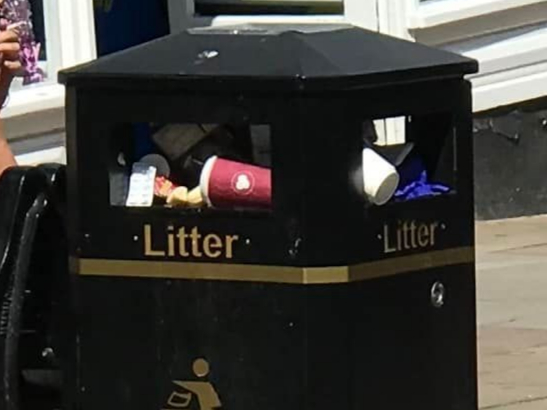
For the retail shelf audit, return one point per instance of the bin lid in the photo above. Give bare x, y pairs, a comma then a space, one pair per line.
271, 56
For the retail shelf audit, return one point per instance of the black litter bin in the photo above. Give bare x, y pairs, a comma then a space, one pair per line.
318, 300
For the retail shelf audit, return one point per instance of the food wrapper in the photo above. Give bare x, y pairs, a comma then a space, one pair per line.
178, 197
195, 198
163, 187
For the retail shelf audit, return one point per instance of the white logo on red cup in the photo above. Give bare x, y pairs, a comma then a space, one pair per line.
243, 183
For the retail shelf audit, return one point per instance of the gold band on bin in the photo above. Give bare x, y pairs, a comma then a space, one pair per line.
273, 274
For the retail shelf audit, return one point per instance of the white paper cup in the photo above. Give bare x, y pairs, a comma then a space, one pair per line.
380, 178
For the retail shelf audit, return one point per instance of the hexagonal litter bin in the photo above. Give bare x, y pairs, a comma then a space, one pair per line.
318, 298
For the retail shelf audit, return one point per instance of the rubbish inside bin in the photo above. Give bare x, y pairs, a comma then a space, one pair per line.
169, 194
188, 146
178, 197
174, 140
226, 183
159, 162
141, 185
178, 153
415, 182
223, 166
163, 187
380, 178
223, 184
195, 197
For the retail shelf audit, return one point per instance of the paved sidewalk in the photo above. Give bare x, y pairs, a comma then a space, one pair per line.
512, 308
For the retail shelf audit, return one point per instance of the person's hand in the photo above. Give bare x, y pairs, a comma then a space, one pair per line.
9, 61
9, 65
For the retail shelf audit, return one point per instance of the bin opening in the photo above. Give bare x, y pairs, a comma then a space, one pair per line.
191, 166
423, 153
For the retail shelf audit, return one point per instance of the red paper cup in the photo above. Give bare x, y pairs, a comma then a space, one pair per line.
229, 184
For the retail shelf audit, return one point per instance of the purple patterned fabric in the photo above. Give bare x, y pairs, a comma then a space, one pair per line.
19, 12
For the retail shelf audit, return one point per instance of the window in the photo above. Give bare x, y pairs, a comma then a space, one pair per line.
284, 7
191, 13
507, 37
429, 13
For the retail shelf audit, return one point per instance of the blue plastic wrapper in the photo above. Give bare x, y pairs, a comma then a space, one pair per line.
414, 182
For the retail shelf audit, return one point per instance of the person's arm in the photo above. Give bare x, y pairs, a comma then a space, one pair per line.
10, 64
7, 159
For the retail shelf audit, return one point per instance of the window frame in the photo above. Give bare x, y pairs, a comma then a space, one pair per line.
438, 12
512, 62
